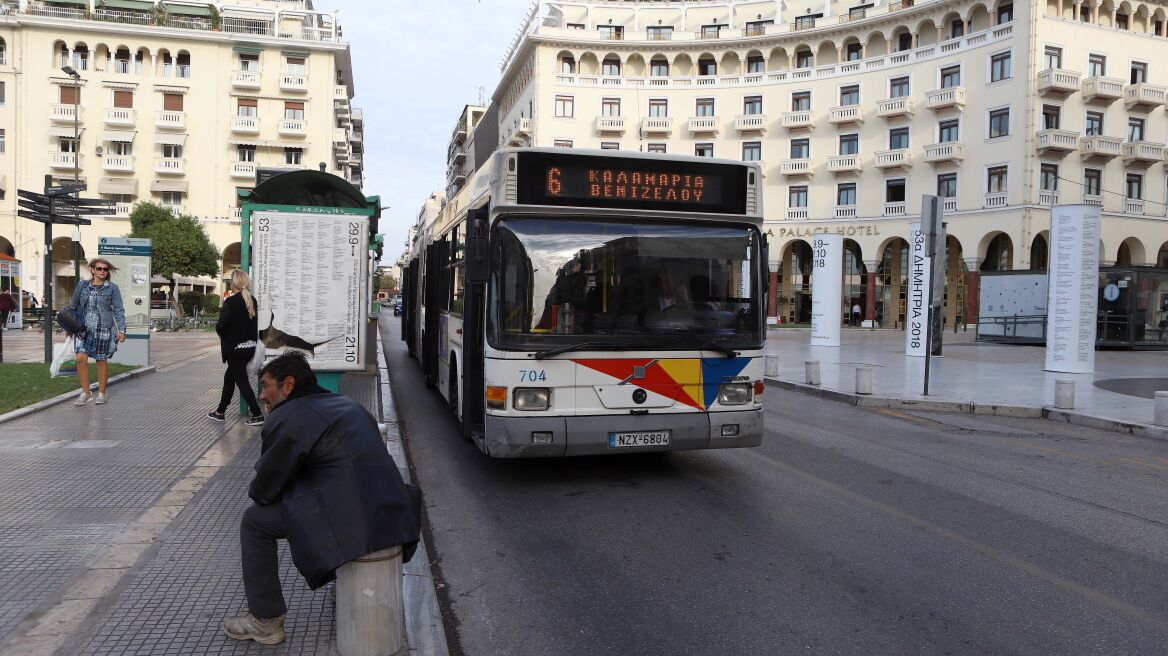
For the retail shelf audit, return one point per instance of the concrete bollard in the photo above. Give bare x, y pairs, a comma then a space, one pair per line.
370, 612
864, 380
1161, 416
1064, 394
812, 370
771, 360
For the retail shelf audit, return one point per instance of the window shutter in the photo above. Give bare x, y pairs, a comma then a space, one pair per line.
123, 99
248, 102
70, 95
289, 104
172, 102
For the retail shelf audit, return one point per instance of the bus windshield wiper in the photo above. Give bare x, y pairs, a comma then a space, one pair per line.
581, 346
706, 341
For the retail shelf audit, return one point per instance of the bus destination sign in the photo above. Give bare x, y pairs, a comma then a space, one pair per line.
629, 182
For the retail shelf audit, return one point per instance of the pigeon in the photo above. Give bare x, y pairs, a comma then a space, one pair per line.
274, 338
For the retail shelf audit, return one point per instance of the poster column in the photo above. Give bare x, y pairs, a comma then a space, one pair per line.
131, 257
826, 289
1073, 289
916, 319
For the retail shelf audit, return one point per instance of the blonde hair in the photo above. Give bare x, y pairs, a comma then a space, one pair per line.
240, 281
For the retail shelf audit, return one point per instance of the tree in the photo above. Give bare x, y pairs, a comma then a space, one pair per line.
383, 278
180, 245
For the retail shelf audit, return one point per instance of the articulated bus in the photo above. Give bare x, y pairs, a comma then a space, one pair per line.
574, 302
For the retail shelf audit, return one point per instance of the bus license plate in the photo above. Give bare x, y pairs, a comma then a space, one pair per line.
640, 438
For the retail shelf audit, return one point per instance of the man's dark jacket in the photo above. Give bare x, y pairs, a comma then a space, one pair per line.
323, 459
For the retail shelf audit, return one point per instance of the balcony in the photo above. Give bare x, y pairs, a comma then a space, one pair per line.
844, 164
894, 107
295, 82
1057, 140
950, 205
245, 124
845, 212
341, 93
63, 114
1143, 151
796, 213
1133, 206
899, 208
120, 163
237, 214
170, 165
122, 210
521, 132
796, 120
953, 151
1144, 96
1099, 146
246, 80
63, 161
1092, 199
657, 125
340, 138
294, 127
1102, 88
121, 116
801, 166
938, 99
750, 123
1057, 81
171, 120
243, 169
610, 124
845, 114
1048, 197
703, 125
996, 199
891, 159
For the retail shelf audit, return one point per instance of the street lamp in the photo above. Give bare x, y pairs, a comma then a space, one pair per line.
71, 72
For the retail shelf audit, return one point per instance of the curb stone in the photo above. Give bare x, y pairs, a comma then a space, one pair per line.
61, 398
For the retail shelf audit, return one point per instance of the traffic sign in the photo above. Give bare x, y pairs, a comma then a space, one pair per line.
65, 189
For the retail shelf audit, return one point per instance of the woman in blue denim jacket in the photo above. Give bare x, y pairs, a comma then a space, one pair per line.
98, 302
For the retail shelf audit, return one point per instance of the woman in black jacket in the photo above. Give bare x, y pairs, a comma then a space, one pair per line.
237, 328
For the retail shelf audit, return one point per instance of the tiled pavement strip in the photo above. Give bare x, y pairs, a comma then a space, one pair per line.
120, 527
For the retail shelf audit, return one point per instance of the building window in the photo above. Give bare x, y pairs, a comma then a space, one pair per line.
171, 198
659, 68
797, 197
757, 28
1139, 72
845, 194
947, 185
1121, 21
707, 66
295, 66
1135, 129
1000, 123
1052, 57
614, 32
250, 63
752, 151
704, 107
752, 105
576, 26
1135, 186
854, 52
655, 148
172, 102
245, 153
704, 150
3, 94
1094, 127
610, 107
565, 106
562, 143
804, 22
609, 145
1050, 117
67, 145
248, 107
293, 156
951, 77
894, 191
1096, 65
659, 32
849, 144
755, 64
1001, 67
801, 101
3, 141
172, 151
996, 179
1005, 14
658, 108
898, 138
567, 64
957, 29
294, 110
1092, 182
70, 95
123, 99
611, 66
850, 95
904, 42
898, 87
711, 31
1048, 177
803, 58
121, 148
800, 148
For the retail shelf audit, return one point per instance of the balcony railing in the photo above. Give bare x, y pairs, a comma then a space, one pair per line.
122, 210
845, 212
700, 124
63, 113
610, 124
797, 119
1144, 95
801, 166
245, 124
750, 123
294, 82
796, 213
1092, 199
899, 208
341, 92
845, 114
121, 116
1133, 206
1143, 151
996, 199
64, 160
1100, 146
950, 205
293, 126
237, 214
887, 159
657, 125
521, 132
1057, 140
1102, 88
249, 26
843, 163
944, 152
1059, 81
1048, 197
246, 79
945, 98
118, 163
243, 169
170, 165
894, 107
169, 120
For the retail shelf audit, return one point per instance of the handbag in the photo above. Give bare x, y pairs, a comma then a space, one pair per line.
69, 318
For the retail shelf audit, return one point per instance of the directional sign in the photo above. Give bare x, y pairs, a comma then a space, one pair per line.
33, 205
95, 211
35, 216
65, 189
32, 195
89, 202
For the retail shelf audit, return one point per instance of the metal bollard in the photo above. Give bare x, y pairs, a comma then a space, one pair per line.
1161, 416
370, 612
1064, 394
864, 380
771, 360
812, 369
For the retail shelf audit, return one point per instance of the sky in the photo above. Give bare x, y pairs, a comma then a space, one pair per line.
416, 63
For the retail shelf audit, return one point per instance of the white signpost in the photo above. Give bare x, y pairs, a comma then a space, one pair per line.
1073, 289
826, 289
309, 277
916, 314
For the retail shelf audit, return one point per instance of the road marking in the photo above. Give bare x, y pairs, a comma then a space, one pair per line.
1021, 564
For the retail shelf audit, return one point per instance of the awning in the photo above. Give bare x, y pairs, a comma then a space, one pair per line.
295, 53
123, 136
169, 185
247, 51
127, 186
170, 139
62, 131
84, 3
187, 10
134, 5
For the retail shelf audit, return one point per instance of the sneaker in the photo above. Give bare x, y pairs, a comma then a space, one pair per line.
215, 415
255, 420
250, 627
83, 398
99, 398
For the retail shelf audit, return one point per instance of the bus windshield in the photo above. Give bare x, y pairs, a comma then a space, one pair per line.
624, 281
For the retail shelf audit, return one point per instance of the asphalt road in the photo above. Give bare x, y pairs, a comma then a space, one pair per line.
848, 531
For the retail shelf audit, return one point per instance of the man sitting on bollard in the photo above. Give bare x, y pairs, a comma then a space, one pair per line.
326, 483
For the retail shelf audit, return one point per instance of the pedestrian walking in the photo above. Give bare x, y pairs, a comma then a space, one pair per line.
326, 483
98, 302
855, 314
8, 304
33, 302
238, 328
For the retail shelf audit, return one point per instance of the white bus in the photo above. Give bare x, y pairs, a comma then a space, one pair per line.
574, 302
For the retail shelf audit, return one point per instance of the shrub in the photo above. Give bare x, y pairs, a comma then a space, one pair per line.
189, 301
210, 303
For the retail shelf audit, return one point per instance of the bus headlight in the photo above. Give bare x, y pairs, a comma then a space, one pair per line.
734, 393
532, 398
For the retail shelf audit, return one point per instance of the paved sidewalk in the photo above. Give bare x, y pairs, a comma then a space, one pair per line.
1121, 389
165, 348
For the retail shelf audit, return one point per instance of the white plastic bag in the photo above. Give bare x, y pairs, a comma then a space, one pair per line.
64, 359
257, 360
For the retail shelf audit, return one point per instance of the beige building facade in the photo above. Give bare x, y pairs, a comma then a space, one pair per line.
856, 110
177, 103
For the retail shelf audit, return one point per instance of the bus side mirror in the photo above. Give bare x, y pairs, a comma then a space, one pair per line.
476, 246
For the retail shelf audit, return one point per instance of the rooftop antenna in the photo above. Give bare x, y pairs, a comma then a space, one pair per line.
481, 91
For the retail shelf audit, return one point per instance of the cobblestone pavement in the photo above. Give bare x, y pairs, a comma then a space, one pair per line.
165, 348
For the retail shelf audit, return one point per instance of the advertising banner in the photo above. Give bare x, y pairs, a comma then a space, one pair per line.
916, 313
131, 257
827, 259
309, 278
1073, 289
10, 282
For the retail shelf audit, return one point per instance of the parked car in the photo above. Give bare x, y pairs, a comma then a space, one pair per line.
397, 308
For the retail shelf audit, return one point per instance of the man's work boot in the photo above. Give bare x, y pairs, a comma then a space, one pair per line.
250, 627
